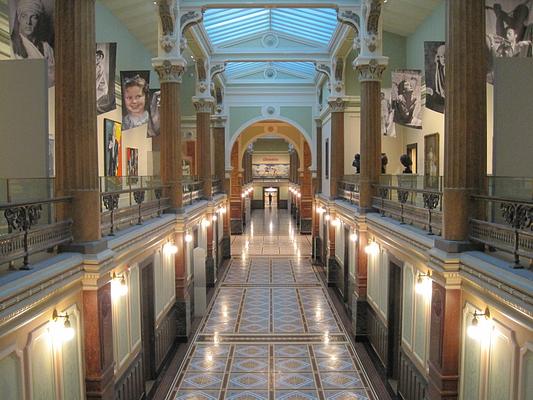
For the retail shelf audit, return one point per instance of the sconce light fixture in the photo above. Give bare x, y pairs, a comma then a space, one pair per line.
62, 332
188, 238
423, 283
353, 237
214, 218
479, 326
170, 248
320, 210
327, 217
205, 223
372, 248
119, 287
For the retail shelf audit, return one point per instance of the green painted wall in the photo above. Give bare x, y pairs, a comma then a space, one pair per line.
239, 115
131, 54
301, 115
188, 90
271, 145
353, 87
394, 47
433, 28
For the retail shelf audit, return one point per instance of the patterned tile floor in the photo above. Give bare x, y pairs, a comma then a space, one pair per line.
271, 331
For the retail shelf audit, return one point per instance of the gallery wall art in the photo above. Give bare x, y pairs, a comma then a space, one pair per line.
30, 39
387, 114
132, 161
509, 30
135, 98
112, 148
435, 66
154, 125
106, 54
270, 170
407, 97
431, 161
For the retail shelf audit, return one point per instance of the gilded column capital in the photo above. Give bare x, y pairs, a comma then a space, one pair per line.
169, 70
337, 104
370, 69
203, 104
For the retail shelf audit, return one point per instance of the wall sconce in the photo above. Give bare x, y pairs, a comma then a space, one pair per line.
119, 287
321, 210
423, 283
336, 222
188, 238
243, 195
353, 237
205, 222
170, 248
214, 218
372, 248
222, 210
327, 217
299, 194
478, 327
61, 332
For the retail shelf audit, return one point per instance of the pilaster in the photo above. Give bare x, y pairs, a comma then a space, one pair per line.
204, 108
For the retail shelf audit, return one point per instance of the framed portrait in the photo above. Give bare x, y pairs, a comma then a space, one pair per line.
132, 161
431, 161
412, 152
106, 54
112, 148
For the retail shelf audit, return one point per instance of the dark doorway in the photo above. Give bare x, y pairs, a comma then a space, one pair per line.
147, 318
394, 324
325, 243
346, 269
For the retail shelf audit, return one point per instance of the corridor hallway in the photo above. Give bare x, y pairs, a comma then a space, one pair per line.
270, 331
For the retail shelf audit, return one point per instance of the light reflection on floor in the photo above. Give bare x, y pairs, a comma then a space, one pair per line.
271, 331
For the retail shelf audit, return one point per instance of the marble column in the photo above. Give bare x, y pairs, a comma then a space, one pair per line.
319, 155
76, 140
170, 72
370, 78
204, 108
444, 343
465, 118
306, 190
98, 342
236, 201
219, 134
336, 159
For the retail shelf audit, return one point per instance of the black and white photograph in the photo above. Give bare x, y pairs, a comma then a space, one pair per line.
387, 114
509, 27
407, 97
154, 125
435, 65
135, 98
106, 55
31, 28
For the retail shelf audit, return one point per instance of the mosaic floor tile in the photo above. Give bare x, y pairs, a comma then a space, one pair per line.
335, 364
291, 350
250, 365
296, 395
251, 351
197, 395
292, 365
248, 381
246, 395
340, 380
196, 380
346, 395
286, 380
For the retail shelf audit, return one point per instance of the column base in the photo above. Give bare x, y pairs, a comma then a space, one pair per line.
184, 310
359, 317
226, 247
85, 247
455, 246
101, 387
333, 271
236, 227
306, 226
209, 271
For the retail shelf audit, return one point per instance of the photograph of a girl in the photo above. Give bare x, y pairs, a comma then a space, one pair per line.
135, 98
32, 32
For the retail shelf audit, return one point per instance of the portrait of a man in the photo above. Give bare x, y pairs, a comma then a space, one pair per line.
31, 25
105, 77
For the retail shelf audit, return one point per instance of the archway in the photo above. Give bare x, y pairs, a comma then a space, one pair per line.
302, 176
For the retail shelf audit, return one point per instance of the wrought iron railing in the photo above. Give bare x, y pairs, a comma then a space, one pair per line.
419, 207
348, 188
192, 191
143, 203
27, 234
508, 227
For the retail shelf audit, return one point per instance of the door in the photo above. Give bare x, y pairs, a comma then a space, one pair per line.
147, 319
394, 323
346, 269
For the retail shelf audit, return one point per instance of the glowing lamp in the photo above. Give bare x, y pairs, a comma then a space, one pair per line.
119, 287
372, 248
353, 237
62, 332
170, 248
423, 284
188, 238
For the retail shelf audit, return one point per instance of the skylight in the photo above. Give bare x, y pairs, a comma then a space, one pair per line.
271, 70
231, 24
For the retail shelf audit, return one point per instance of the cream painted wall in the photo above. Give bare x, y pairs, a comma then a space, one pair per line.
352, 138
164, 283
378, 282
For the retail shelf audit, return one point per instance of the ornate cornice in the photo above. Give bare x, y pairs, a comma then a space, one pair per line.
370, 71
170, 70
337, 105
203, 104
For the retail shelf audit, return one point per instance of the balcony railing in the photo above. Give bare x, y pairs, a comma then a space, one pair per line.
31, 228
508, 227
348, 188
192, 190
410, 201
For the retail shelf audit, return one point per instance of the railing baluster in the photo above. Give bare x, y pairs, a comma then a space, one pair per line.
138, 195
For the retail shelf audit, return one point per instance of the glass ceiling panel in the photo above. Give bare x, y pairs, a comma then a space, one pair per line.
224, 25
302, 70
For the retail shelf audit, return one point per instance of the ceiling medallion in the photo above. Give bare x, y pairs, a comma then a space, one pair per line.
270, 73
270, 40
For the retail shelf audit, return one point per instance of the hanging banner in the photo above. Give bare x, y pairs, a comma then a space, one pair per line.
407, 97
106, 55
135, 98
435, 63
